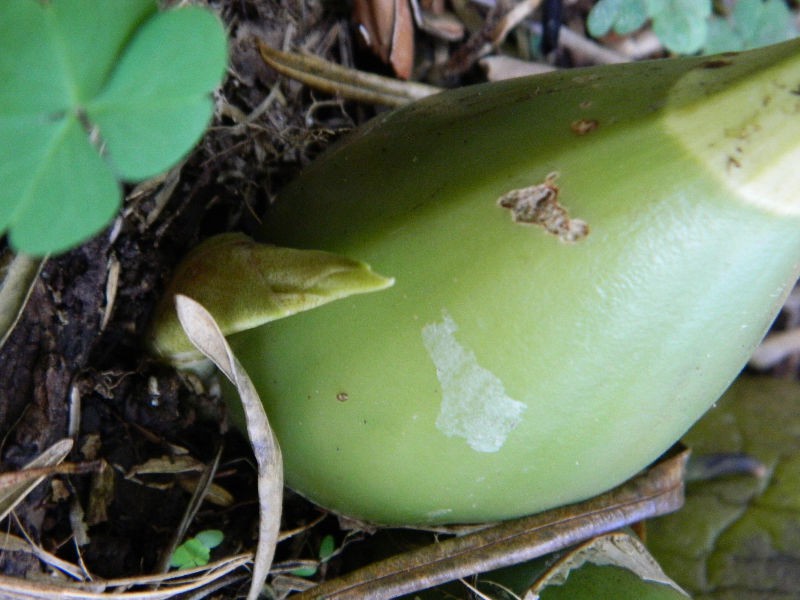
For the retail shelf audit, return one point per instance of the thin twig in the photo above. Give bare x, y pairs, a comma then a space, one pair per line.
349, 83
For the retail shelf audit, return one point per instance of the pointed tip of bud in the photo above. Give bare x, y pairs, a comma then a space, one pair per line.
244, 284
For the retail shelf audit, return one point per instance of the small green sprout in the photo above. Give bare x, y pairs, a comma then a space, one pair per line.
327, 548
196, 551
95, 93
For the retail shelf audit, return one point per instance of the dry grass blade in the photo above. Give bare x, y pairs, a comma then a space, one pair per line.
338, 80
196, 500
203, 331
657, 491
15, 289
176, 582
14, 493
25, 475
12, 543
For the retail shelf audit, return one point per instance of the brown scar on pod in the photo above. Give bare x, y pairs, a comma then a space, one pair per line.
538, 205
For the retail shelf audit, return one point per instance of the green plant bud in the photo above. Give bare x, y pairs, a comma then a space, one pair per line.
245, 284
584, 260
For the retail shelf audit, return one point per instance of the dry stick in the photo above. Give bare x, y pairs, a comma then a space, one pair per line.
349, 83
657, 491
10, 478
180, 582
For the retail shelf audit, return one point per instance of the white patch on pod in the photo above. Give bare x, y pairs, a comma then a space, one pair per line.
475, 405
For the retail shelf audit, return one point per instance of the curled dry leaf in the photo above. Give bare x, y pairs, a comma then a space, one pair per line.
387, 28
613, 549
436, 21
215, 494
206, 335
166, 465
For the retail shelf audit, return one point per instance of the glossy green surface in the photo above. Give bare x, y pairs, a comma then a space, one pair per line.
506, 371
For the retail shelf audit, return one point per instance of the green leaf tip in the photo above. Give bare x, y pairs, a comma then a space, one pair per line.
138, 80
244, 284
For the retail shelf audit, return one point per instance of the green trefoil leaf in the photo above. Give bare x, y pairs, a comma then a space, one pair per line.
95, 94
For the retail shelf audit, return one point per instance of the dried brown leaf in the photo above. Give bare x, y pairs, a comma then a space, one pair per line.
386, 27
206, 335
166, 465
616, 549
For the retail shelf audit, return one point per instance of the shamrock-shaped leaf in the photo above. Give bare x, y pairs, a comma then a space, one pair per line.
196, 551
751, 24
93, 93
624, 16
681, 25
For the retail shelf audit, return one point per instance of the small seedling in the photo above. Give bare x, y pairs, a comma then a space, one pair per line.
327, 548
196, 551
94, 94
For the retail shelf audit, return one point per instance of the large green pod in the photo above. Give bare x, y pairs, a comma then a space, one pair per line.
512, 368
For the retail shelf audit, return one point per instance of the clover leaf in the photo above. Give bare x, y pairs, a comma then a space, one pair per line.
751, 24
196, 551
624, 16
681, 25
95, 93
